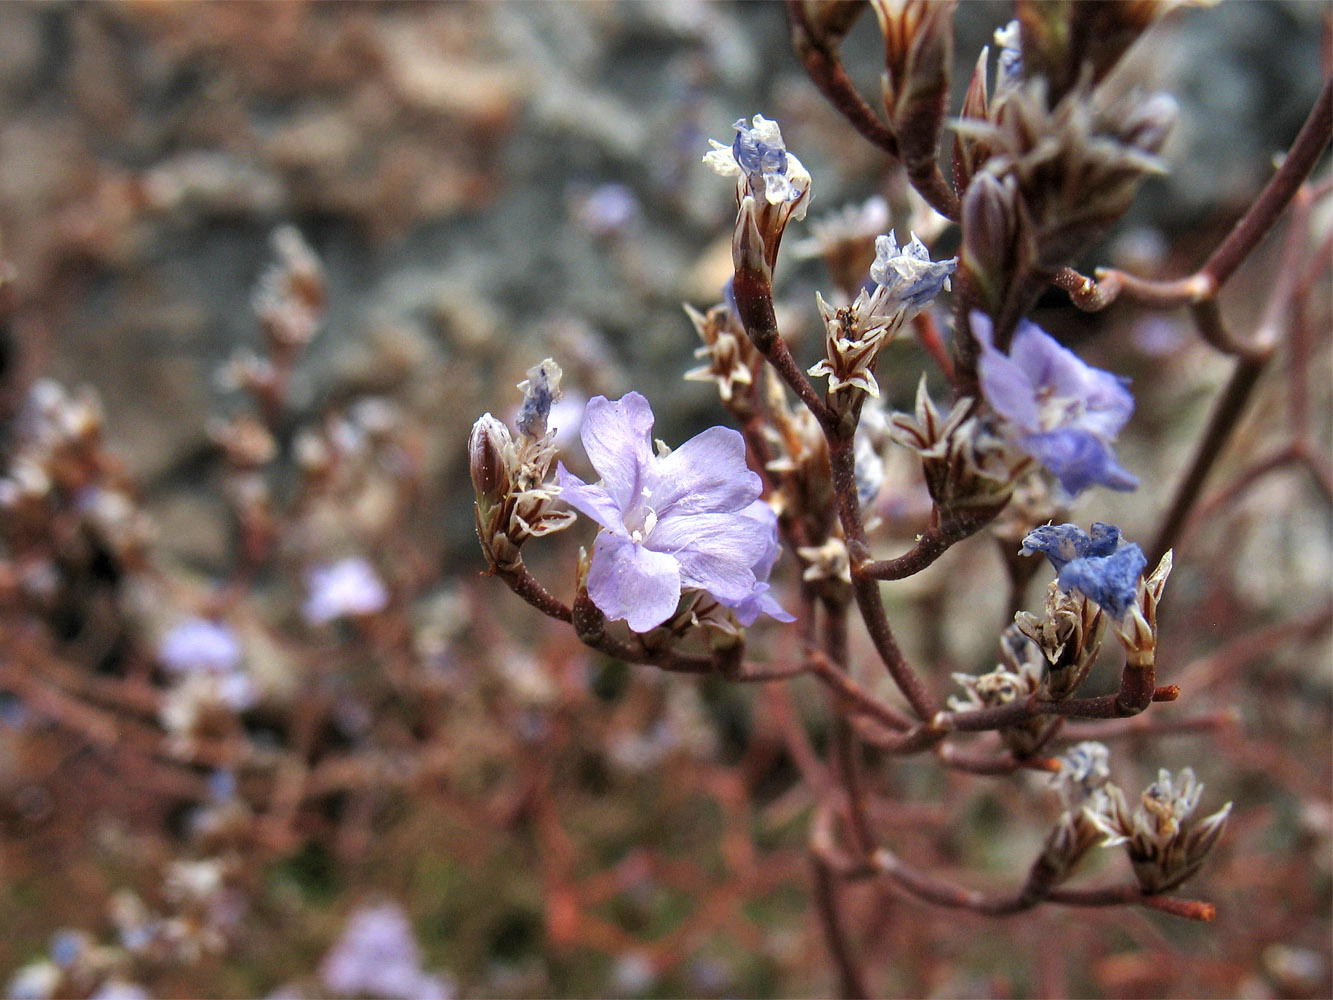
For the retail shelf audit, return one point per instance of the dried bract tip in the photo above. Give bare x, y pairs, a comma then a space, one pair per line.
968, 470
541, 389
732, 360
1166, 845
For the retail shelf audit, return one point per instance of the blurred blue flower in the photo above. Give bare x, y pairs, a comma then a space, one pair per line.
378, 956
198, 645
1102, 566
1065, 413
669, 521
347, 587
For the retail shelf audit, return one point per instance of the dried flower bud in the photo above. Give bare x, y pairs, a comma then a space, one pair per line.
541, 390
486, 449
1072, 44
1016, 679
997, 238
969, 471
1137, 630
514, 500
1165, 844
732, 359
1069, 635
774, 182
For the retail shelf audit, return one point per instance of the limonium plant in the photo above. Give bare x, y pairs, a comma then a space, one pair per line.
771, 523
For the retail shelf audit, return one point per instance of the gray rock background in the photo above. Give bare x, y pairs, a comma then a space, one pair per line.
486, 184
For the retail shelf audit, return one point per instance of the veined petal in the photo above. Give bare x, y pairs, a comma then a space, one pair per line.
705, 475
589, 499
716, 552
632, 582
618, 439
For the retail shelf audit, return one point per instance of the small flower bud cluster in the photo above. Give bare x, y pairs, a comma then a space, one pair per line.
290, 299
1015, 679
966, 467
65, 500
1081, 784
515, 501
906, 281
1165, 843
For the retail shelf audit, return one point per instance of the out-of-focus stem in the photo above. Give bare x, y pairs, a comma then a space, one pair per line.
1247, 234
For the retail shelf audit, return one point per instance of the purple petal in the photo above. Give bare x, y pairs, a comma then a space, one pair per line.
618, 439
716, 552
760, 602
1111, 581
1107, 404
1079, 460
1008, 387
705, 475
761, 512
592, 500
632, 582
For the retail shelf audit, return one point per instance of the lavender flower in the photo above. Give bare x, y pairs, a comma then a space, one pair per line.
1102, 566
669, 521
1065, 413
378, 956
347, 587
198, 645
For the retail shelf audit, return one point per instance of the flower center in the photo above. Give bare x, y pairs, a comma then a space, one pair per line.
640, 520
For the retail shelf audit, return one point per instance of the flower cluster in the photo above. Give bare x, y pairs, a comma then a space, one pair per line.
1165, 843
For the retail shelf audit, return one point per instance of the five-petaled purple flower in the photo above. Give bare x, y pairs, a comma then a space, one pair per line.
687, 518
1100, 564
1065, 413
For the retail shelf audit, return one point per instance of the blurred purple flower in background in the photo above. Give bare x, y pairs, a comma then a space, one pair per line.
348, 587
1102, 566
198, 645
1065, 413
378, 956
669, 521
